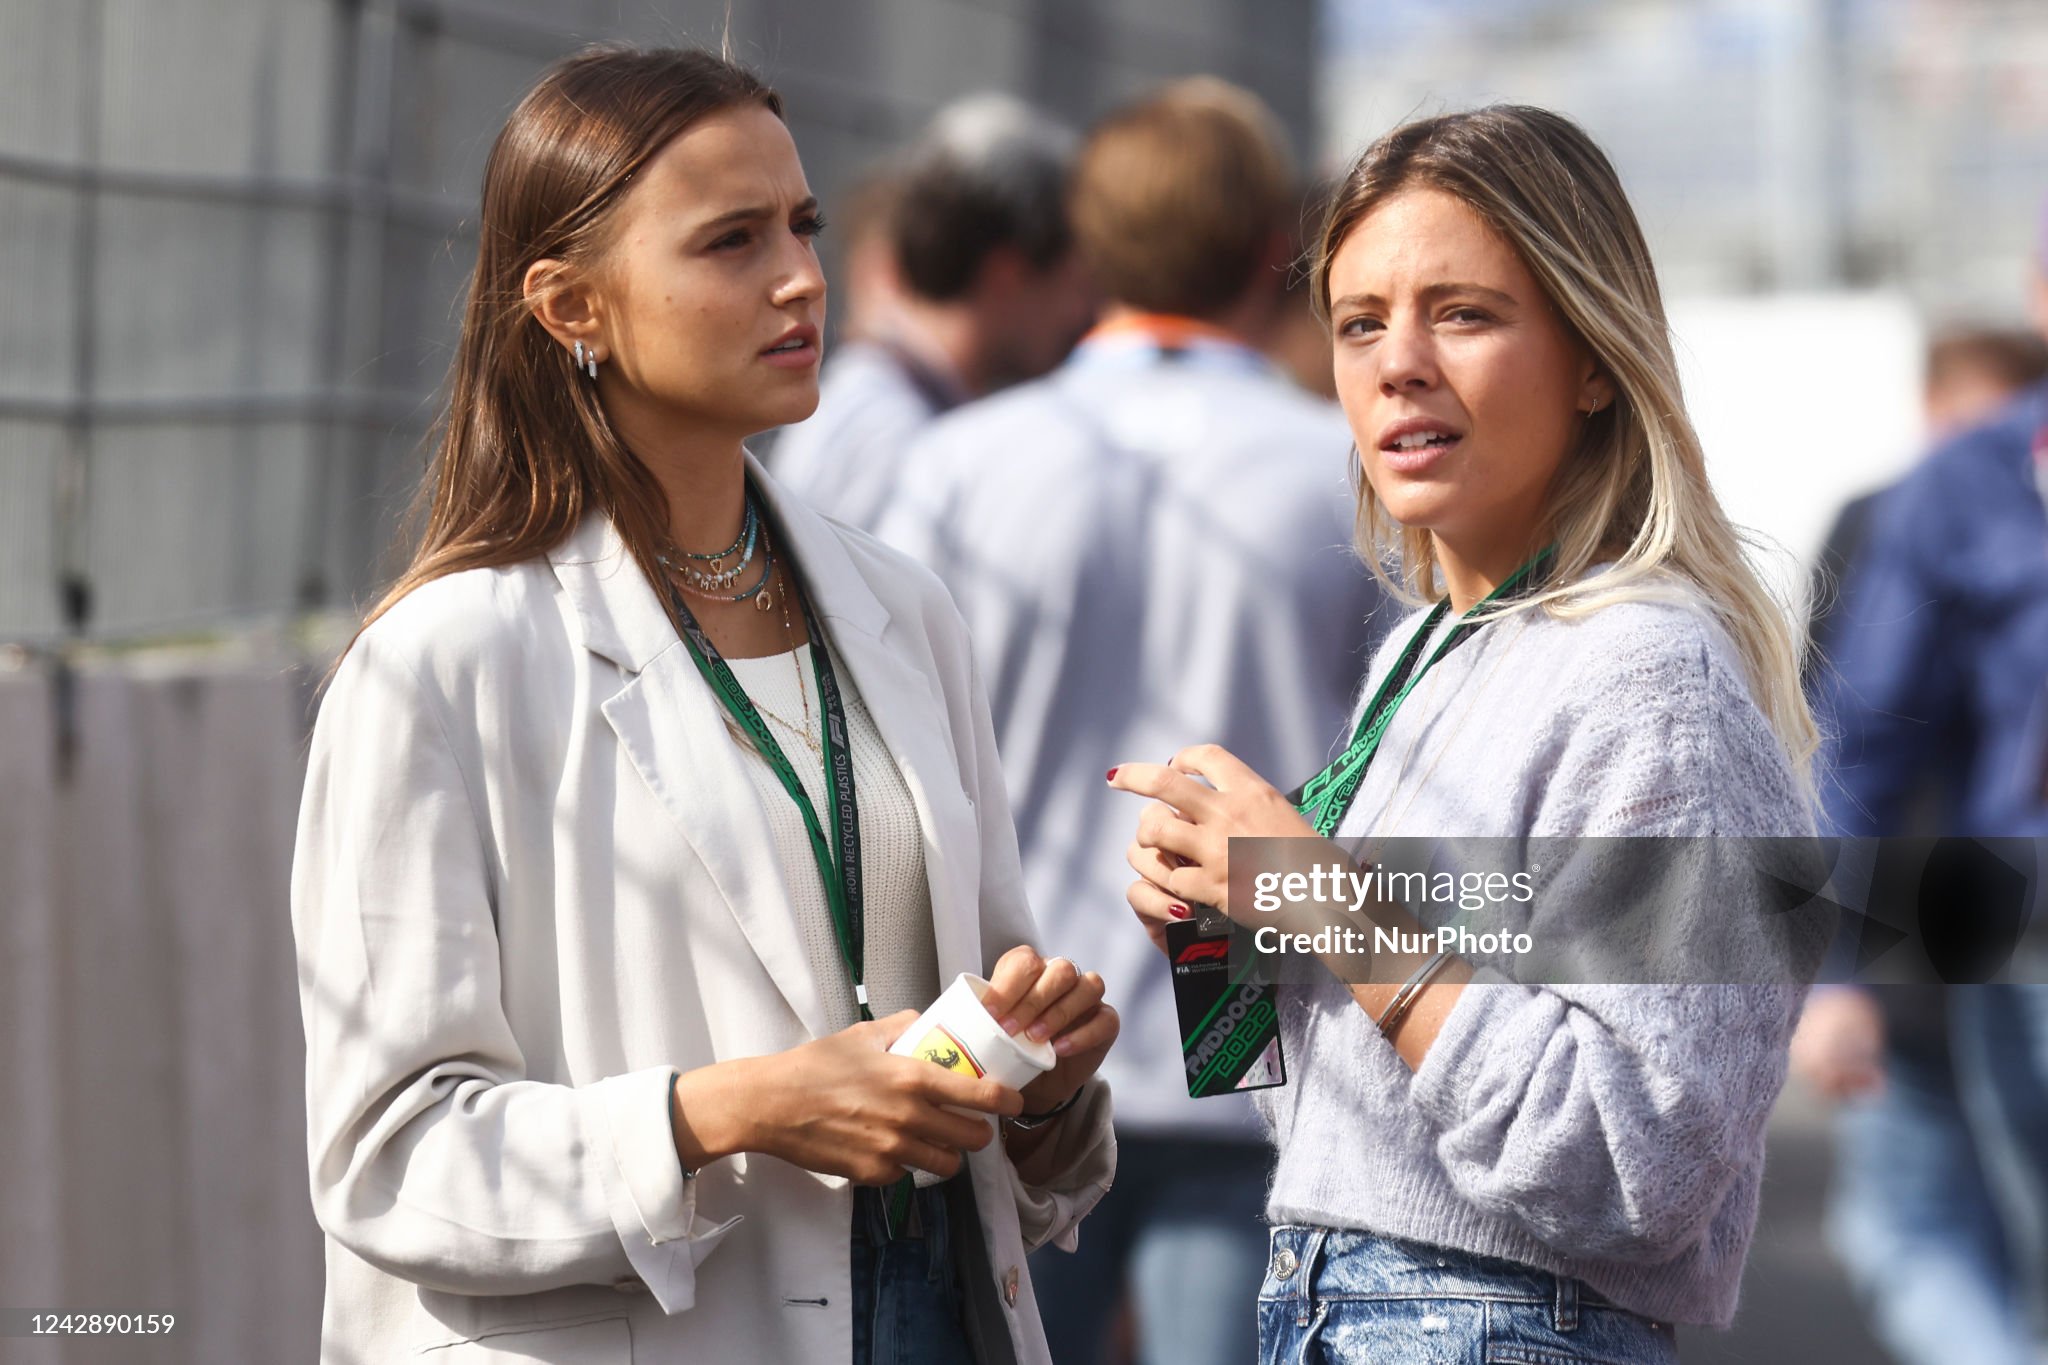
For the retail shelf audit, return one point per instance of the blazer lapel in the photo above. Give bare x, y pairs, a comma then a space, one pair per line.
673, 730
908, 712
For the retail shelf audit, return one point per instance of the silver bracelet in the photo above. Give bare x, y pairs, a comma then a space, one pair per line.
1406, 996
1025, 1123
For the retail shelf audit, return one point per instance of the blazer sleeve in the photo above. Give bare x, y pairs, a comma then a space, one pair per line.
1083, 1159
433, 1157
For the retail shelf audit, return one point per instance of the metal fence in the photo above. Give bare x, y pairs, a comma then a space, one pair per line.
236, 234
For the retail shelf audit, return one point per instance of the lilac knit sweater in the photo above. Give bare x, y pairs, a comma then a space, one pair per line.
1612, 1133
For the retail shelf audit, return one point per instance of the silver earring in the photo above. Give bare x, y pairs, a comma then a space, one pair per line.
586, 359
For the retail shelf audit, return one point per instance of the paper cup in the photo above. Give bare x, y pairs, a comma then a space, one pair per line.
958, 1034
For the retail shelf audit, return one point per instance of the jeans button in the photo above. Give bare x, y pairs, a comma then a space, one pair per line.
1284, 1264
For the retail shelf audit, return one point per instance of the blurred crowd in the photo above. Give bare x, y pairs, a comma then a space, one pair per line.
1079, 377
1929, 656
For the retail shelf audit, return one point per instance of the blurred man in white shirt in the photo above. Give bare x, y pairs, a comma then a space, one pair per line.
1151, 547
983, 290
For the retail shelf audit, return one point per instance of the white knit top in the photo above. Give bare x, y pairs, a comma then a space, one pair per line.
902, 959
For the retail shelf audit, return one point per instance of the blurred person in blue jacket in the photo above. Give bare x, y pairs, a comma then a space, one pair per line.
983, 289
1169, 483
1931, 678
1971, 373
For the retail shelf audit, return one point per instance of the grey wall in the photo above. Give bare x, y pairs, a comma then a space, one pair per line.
236, 233
152, 1148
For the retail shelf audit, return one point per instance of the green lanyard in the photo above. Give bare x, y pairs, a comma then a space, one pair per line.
1329, 793
839, 861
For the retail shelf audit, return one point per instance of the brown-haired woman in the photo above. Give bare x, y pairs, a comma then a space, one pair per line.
634, 792
1471, 1164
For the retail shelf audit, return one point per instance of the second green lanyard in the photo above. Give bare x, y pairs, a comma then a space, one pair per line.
1328, 795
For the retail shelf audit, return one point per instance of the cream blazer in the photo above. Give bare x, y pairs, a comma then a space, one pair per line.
533, 881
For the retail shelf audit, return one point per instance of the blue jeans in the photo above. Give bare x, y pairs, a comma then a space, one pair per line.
1352, 1298
1184, 1228
1913, 1223
906, 1293
2000, 1042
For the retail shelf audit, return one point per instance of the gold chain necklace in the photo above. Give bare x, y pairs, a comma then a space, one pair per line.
763, 596
816, 746
803, 732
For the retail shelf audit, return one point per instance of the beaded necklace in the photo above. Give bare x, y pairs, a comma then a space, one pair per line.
719, 578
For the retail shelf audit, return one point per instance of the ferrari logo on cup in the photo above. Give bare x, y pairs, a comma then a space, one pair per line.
945, 1050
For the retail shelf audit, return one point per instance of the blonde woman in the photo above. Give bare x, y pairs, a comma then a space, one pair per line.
1539, 1173
644, 811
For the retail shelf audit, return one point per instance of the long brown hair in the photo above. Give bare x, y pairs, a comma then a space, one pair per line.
1639, 478
523, 448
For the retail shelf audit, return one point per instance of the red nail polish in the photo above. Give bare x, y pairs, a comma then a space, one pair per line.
1179, 911
1111, 776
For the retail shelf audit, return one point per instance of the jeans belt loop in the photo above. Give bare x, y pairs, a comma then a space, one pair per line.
1305, 1277
1564, 1312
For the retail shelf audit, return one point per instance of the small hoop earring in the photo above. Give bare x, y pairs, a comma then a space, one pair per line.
586, 359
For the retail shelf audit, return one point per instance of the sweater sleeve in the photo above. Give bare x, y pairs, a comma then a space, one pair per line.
433, 1156
1613, 1120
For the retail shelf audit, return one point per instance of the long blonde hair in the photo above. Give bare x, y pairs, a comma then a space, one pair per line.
1639, 478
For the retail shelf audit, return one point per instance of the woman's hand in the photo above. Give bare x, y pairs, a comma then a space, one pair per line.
1052, 1001
1182, 850
1838, 1047
841, 1105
